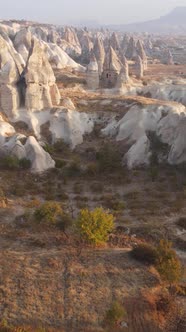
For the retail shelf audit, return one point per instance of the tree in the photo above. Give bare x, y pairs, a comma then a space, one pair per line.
94, 226
167, 263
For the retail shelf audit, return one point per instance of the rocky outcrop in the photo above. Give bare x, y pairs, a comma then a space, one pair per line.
22, 43
131, 51
72, 45
114, 42
86, 46
124, 43
59, 59
92, 73
111, 69
99, 52
142, 54
166, 122
139, 67
10, 70
41, 89
39, 158
170, 60
123, 77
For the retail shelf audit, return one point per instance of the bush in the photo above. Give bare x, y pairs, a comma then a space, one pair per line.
145, 253
74, 169
48, 148
111, 202
60, 163
24, 163
9, 162
182, 222
61, 146
109, 159
49, 212
92, 169
64, 222
167, 263
13, 163
115, 314
94, 226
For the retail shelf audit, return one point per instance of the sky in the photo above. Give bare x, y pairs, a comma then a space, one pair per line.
77, 11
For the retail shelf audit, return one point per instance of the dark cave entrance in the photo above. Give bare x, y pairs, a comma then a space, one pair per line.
21, 85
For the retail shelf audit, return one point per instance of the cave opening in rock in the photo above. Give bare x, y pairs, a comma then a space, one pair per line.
22, 90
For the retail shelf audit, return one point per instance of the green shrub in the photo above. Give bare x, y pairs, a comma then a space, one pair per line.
109, 159
145, 253
48, 148
115, 314
24, 163
60, 146
49, 212
60, 163
167, 263
9, 162
94, 226
164, 259
13, 163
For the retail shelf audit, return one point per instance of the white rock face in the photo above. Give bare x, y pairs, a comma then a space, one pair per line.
67, 124
40, 81
71, 44
139, 67
167, 91
123, 77
6, 130
22, 42
40, 159
59, 59
10, 69
92, 74
168, 122
71, 126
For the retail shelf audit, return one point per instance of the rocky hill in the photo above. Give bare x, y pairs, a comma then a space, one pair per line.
174, 22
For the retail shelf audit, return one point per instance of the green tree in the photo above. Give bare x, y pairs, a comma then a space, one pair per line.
95, 226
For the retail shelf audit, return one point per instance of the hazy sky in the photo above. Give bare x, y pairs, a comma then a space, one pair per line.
102, 11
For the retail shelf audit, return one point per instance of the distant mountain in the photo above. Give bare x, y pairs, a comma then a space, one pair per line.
174, 22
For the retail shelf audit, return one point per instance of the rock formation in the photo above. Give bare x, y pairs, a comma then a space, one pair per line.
131, 52
41, 90
99, 54
123, 77
22, 42
114, 42
9, 76
72, 45
140, 124
92, 73
111, 69
169, 58
40, 159
139, 67
124, 43
141, 53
